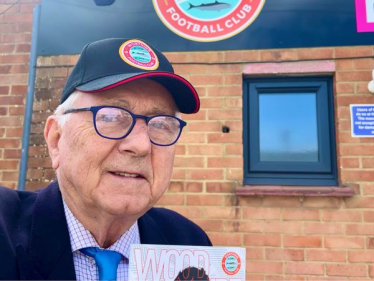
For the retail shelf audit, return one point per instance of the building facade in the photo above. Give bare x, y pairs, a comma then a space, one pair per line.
297, 222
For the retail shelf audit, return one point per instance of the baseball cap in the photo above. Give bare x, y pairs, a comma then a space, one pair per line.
108, 63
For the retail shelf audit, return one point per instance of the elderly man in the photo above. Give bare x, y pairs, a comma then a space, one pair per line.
112, 145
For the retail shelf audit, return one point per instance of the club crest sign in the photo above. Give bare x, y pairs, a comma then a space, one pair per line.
207, 20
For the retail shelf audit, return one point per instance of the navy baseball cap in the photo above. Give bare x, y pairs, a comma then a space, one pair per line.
108, 63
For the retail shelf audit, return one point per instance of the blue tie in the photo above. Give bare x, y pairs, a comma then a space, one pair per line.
106, 260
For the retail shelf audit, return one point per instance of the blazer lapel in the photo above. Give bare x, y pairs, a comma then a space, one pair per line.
49, 249
149, 231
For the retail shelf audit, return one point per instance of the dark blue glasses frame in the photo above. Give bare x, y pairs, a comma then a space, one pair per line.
95, 110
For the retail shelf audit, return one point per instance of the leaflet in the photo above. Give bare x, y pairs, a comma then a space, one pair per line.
177, 263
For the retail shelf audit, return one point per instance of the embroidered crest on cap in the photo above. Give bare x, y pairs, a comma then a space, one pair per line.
138, 54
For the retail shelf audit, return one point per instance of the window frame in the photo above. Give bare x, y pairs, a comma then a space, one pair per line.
324, 172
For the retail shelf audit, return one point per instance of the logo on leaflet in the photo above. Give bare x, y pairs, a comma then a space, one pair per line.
207, 20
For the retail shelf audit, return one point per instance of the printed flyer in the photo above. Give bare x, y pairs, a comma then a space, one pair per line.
177, 263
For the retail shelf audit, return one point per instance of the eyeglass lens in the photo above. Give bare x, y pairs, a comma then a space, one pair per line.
116, 123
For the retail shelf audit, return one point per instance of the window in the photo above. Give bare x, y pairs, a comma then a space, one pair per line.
289, 134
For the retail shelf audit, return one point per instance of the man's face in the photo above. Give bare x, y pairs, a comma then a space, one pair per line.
88, 165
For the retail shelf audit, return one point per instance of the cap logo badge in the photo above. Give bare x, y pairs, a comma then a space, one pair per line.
138, 54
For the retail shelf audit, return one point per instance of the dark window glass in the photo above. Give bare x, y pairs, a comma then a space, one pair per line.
289, 131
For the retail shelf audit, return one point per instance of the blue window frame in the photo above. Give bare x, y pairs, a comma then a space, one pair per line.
289, 132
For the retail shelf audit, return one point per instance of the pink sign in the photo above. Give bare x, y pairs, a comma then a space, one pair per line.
365, 15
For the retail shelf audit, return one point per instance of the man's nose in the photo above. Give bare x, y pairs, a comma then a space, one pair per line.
138, 141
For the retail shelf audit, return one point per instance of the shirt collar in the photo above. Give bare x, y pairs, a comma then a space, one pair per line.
81, 238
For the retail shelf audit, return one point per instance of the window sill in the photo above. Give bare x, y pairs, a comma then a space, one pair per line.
311, 191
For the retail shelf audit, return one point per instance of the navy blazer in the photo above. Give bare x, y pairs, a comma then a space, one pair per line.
34, 237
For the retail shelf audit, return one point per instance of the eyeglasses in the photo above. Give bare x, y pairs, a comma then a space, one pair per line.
112, 122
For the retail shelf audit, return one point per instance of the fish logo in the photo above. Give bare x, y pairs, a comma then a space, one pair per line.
207, 20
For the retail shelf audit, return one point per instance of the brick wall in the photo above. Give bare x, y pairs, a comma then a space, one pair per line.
287, 237
15, 38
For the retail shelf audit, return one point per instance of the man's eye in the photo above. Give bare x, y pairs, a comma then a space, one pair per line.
108, 118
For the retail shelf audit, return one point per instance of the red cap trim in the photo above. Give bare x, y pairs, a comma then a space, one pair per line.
148, 75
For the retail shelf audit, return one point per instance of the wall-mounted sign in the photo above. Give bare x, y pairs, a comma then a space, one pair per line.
201, 25
207, 20
365, 15
362, 120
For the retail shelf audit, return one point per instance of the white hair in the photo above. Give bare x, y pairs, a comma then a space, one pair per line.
67, 104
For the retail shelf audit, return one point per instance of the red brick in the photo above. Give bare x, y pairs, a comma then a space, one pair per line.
171, 199
189, 212
358, 75
284, 254
324, 228
262, 213
278, 55
243, 226
283, 227
359, 202
229, 114
189, 162
357, 175
9, 143
353, 52
341, 216
346, 270
220, 187
210, 225
300, 215
19, 89
8, 164
369, 216
204, 200
326, 255
360, 256
10, 176
204, 149
205, 126
191, 138
337, 242
266, 240
234, 102
206, 80
254, 254
225, 91
367, 162
179, 174
344, 65
222, 213
16, 38
225, 162
14, 132
344, 100
350, 162
276, 201
315, 53
234, 149
234, 174
232, 137
364, 63
241, 56
302, 241
304, 268
4, 90
233, 79
362, 88
264, 267
206, 57
211, 102
360, 229
34, 173
11, 18
206, 174
226, 239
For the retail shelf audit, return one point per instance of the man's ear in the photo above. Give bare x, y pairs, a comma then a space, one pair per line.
52, 134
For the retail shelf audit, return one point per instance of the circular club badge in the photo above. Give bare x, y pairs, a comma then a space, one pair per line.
207, 20
231, 263
138, 54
